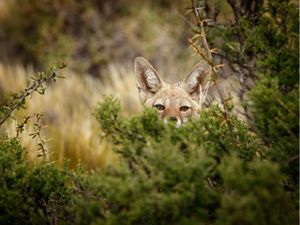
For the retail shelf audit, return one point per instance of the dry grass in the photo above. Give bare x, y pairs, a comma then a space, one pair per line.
4, 8
71, 129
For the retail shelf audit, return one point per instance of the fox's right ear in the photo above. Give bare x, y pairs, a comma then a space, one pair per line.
147, 79
196, 83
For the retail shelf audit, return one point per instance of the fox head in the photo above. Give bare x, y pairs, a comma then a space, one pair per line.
174, 102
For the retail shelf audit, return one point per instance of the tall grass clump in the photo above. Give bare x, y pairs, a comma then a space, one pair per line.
71, 130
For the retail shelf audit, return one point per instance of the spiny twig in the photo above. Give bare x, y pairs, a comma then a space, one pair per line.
37, 126
17, 101
205, 52
36, 134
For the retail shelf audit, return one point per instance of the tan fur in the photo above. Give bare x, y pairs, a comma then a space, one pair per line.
177, 102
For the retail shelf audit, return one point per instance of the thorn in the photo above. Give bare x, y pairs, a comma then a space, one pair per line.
214, 50
199, 8
188, 11
196, 36
207, 20
224, 121
220, 65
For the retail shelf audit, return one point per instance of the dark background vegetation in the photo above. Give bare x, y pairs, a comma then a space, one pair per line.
235, 164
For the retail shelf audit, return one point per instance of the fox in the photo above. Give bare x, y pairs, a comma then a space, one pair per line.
177, 102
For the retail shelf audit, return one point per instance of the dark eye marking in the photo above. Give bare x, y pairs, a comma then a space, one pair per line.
159, 107
184, 108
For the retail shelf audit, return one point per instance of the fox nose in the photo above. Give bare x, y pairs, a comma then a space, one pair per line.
173, 118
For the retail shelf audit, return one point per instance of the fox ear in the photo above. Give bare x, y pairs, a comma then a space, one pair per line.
147, 79
197, 81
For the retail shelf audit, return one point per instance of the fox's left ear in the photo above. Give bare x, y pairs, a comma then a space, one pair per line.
197, 81
147, 79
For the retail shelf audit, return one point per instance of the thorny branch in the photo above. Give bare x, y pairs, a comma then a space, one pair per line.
214, 68
37, 126
17, 101
243, 64
207, 55
36, 134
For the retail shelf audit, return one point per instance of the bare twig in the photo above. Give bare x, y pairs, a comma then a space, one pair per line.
207, 55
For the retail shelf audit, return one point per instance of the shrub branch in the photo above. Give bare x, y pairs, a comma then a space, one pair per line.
17, 101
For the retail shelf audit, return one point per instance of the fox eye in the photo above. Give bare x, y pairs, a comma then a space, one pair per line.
184, 108
159, 107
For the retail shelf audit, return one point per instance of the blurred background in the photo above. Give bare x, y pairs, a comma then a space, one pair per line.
98, 40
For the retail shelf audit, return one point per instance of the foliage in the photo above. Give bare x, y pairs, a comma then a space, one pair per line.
264, 45
275, 97
29, 195
191, 175
209, 171
277, 123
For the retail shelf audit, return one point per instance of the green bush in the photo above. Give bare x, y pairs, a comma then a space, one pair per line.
267, 41
191, 175
209, 171
275, 97
30, 194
